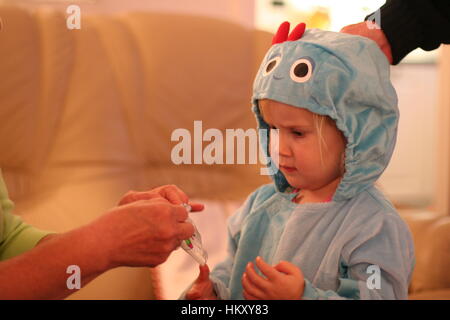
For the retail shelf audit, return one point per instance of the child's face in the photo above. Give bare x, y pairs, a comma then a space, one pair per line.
299, 148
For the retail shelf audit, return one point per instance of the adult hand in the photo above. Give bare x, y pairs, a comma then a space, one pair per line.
169, 192
374, 32
146, 227
142, 231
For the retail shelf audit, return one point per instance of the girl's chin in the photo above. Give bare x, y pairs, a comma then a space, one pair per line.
295, 183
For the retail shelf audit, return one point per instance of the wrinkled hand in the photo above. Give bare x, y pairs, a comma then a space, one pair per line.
375, 33
145, 228
284, 281
169, 192
202, 289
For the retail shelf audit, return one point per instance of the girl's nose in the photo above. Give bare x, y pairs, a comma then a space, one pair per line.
285, 150
280, 143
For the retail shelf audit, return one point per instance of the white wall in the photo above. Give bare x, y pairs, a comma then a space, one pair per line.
410, 177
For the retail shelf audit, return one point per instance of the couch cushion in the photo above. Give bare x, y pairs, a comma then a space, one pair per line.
201, 72
431, 234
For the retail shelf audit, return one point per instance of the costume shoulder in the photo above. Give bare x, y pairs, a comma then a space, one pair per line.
253, 201
374, 222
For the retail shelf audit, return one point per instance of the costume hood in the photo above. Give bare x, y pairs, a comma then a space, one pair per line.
343, 76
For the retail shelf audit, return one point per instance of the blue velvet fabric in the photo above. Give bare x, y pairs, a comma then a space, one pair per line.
350, 83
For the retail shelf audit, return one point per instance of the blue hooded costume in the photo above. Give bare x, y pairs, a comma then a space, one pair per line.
343, 244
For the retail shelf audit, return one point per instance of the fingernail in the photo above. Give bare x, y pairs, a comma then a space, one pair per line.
187, 206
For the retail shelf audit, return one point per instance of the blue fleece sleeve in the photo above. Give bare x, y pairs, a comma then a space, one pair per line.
348, 289
378, 264
221, 274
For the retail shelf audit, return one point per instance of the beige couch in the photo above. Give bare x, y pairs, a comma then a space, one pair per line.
88, 114
431, 233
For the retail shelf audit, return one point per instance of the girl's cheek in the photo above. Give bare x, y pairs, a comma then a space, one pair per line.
274, 151
274, 141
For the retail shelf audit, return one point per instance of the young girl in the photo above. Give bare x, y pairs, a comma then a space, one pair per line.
322, 230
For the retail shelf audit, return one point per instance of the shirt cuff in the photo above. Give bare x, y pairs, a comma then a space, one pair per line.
309, 293
26, 240
348, 289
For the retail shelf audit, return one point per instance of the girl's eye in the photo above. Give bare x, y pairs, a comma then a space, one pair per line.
271, 65
298, 133
301, 70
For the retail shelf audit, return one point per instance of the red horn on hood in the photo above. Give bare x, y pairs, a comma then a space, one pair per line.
297, 33
282, 33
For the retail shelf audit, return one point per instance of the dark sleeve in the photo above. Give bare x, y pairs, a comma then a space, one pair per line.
410, 24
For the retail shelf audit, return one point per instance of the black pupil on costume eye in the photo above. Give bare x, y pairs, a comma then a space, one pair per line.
301, 70
271, 65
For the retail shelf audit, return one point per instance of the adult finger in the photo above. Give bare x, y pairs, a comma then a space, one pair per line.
181, 214
133, 196
196, 206
255, 278
270, 272
173, 194
374, 33
349, 29
185, 230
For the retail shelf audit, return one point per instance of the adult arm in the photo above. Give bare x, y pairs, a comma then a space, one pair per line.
410, 24
142, 231
404, 25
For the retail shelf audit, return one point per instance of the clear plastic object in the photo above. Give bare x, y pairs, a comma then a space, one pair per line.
193, 245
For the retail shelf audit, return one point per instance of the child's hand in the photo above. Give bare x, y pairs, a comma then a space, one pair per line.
202, 289
285, 281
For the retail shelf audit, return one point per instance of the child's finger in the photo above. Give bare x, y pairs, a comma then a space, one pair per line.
193, 295
255, 278
287, 268
250, 288
248, 296
204, 273
270, 272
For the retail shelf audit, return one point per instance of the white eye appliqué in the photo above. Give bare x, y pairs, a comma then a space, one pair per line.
271, 65
301, 70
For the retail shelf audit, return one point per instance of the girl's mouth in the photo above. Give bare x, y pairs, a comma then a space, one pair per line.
288, 169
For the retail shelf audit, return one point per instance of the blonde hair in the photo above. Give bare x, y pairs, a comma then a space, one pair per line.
318, 124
